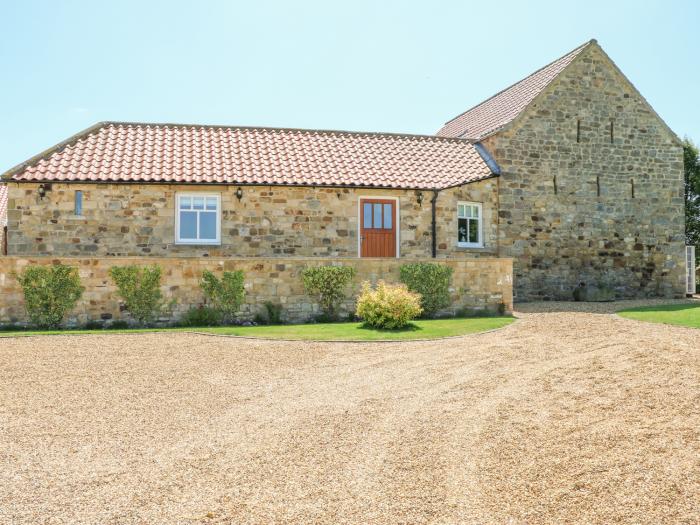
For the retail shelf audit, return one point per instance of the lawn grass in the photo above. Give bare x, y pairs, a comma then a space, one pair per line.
420, 329
675, 314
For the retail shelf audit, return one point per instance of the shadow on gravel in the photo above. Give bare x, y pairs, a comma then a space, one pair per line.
599, 308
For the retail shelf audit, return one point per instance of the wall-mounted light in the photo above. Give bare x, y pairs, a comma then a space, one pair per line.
239, 193
419, 198
42, 189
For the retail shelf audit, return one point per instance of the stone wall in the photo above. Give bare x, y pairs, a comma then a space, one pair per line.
477, 282
579, 205
139, 219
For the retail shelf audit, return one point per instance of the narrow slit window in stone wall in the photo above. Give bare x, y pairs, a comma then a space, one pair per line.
78, 209
612, 132
578, 130
632, 187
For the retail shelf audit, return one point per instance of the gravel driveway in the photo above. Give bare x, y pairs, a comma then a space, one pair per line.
565, 416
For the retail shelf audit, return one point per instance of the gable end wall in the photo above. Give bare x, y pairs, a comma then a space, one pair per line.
589, 228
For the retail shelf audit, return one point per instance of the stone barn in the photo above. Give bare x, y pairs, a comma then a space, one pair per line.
566, 177
591, 180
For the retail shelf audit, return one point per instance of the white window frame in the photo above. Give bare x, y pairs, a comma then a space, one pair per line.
480, 207
212, 242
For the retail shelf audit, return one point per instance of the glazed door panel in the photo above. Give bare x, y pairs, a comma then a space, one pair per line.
377, 228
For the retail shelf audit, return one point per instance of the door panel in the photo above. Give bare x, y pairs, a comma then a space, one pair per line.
377, 228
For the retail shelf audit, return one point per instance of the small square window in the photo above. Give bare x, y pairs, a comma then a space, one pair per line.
198, 219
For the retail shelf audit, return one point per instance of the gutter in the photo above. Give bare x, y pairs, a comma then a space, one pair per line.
433, 222
242, 184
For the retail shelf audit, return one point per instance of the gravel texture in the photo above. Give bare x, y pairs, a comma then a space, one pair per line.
570, 415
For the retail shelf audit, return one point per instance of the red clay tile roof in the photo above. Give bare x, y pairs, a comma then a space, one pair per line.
492, 114
129, 152
3, 205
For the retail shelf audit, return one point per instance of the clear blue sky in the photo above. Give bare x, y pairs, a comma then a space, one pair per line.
357, 65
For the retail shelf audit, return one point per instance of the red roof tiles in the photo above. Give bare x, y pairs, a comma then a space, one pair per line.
502, 108
164, 153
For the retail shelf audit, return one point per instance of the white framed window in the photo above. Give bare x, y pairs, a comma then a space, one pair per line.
198, 218
470, 225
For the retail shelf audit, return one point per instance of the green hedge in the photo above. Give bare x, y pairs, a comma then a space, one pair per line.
431, 281
139, 286
49, 293
328, 283
225, 295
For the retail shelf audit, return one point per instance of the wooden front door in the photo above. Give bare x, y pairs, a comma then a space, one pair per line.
377, 228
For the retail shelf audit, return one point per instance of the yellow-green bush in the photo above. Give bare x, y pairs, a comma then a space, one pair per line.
388, 306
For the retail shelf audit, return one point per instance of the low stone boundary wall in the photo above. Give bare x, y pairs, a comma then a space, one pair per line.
482, 282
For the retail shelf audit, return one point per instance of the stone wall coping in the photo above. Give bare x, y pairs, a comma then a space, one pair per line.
153, 259
476, 283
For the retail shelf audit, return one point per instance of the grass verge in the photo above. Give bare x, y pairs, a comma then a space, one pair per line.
419, 329
675, 314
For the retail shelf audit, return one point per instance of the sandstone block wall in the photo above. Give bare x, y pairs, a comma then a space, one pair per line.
581, 202
477, 282
139, 219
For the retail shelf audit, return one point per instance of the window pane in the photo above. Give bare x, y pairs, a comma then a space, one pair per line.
211, 203
460, 210
185, 203
377, 215
78, 202
388, 216
207, 226
462, 230
474, 231
188, 225
198, 203
475, 211
367, 213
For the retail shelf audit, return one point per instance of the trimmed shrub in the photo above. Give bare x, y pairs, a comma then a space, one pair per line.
501, 308
139, 286
431, 281
328, 283
201, 316
226, 294
274, 312
50, 292
388, 306
271, 315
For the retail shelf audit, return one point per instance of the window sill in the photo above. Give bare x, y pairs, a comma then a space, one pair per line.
197, 243
75, 217
471, 247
